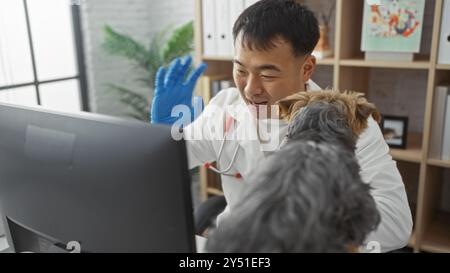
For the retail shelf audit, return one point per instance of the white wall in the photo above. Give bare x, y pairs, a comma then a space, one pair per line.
137, 18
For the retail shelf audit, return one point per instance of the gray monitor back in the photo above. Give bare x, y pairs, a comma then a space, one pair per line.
112, 185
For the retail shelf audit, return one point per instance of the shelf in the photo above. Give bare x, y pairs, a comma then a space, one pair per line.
349, 70
420, 64
214, 191
354, 62
325, 61
443, 66
409, 155
413, 151
439, 163
437, 236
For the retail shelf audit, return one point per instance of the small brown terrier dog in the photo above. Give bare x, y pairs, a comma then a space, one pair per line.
354, 104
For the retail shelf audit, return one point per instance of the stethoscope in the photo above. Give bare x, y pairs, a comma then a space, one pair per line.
229, 122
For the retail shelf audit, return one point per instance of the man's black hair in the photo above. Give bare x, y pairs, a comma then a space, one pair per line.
263, 22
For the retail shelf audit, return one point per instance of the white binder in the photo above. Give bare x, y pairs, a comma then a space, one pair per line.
236, 8
446, 140
209, 28
223, 29
444, 42
438, 121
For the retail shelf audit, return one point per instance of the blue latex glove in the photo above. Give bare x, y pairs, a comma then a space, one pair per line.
171, 89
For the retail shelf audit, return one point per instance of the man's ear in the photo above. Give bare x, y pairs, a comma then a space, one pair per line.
308, 68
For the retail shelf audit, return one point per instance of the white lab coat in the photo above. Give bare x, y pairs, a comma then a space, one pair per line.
377, 167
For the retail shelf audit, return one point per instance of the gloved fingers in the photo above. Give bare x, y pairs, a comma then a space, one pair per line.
196, 74
186, 64
159, 82
172, 73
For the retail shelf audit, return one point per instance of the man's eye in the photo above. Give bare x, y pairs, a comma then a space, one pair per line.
267, 77
241, 72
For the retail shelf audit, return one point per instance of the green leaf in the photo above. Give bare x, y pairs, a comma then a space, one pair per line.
156, 47
138, 116
180, 43
154, 58
123, 45
147, 81
137, 102
161, 52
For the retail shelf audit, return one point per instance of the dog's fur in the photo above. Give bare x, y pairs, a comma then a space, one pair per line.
309, 196
353, 104
305, 198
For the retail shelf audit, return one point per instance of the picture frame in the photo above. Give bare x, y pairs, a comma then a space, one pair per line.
395, 131
393, 26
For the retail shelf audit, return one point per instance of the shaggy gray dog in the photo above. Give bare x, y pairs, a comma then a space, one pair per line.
322, 122
308, 197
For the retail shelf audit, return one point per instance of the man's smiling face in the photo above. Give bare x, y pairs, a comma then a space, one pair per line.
264, 77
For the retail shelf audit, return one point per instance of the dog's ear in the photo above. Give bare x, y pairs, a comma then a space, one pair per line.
364, 110
290, 105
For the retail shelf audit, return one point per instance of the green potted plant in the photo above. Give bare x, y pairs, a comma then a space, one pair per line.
162, 50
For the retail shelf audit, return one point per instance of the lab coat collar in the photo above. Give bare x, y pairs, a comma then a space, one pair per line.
312, 86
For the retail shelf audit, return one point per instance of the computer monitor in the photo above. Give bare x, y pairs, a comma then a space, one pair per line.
109, 184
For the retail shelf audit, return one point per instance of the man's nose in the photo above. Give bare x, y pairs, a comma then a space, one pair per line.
253, 86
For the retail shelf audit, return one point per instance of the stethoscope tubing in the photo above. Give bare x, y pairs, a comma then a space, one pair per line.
233, 159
